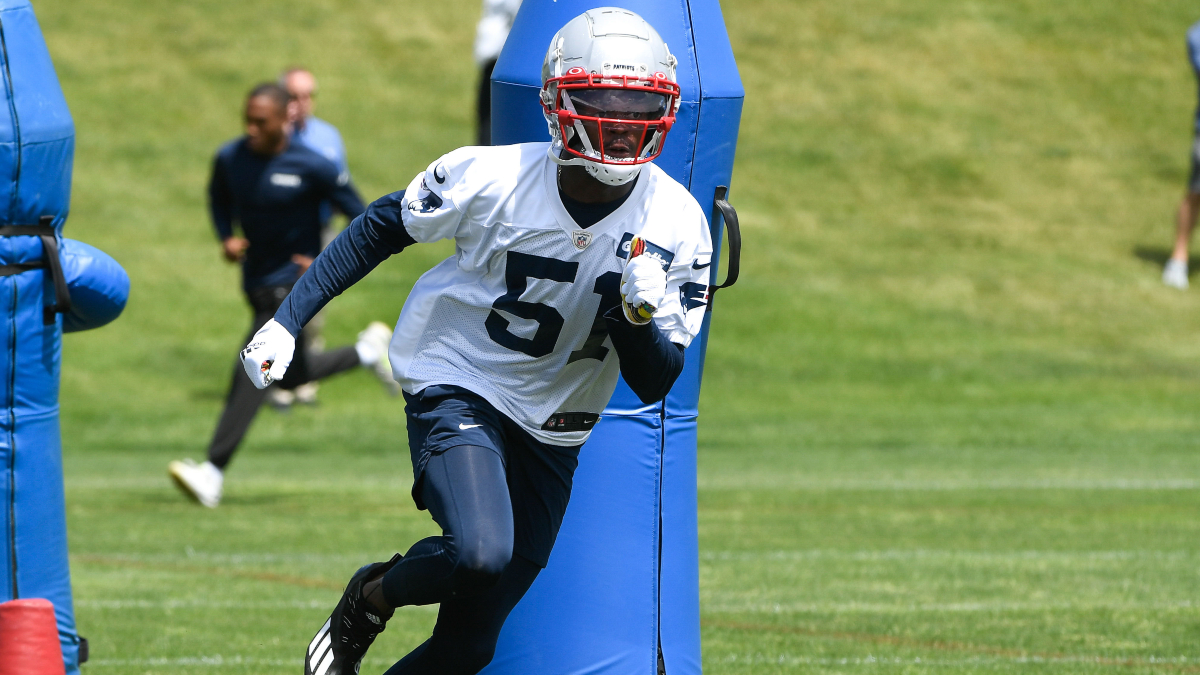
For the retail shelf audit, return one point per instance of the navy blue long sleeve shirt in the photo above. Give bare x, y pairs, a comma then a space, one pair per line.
277, 202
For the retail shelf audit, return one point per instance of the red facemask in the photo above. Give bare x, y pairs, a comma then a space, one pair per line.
612, 120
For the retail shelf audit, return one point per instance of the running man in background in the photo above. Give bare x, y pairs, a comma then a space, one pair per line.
324, 139
576, 259
272, 188
490, 34
1175, 274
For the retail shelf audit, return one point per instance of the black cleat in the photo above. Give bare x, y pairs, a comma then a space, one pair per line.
338, 648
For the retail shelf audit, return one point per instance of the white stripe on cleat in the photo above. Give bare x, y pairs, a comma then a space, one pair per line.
325, 646
317, 638
325, 663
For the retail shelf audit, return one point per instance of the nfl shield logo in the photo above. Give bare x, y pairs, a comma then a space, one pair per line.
581, 239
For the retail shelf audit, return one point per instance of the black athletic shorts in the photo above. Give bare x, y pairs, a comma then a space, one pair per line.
538, 474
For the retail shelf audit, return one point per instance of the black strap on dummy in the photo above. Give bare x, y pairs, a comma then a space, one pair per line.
44, 231
734, 242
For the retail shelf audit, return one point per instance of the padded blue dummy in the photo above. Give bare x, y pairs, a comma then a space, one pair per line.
621, 593
37, 144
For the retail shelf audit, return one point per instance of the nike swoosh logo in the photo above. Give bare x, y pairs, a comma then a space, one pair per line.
697, 266
440, 179
468, 426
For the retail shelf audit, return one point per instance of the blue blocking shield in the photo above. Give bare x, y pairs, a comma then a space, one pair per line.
621, 592
39, 272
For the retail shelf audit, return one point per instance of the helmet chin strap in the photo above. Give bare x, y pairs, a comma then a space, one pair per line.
609, 174
613, 174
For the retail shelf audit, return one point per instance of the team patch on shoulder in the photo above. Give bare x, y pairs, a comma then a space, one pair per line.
581, 239
427, 204
652, 249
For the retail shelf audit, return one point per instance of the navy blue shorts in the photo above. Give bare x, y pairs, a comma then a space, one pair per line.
538, 474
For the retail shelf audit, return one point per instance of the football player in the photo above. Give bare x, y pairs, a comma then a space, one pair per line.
508, 350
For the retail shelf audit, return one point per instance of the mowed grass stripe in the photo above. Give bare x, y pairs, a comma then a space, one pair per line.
209, 604
1182, 664
241, 559
734, 482
709, 608
212, 571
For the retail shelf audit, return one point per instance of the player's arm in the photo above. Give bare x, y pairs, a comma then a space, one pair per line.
369, 240
650, 363
220, 207
389, 225
662, 309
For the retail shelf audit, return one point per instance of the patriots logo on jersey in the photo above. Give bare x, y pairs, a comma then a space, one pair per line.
693, 295
427, 204
581, 239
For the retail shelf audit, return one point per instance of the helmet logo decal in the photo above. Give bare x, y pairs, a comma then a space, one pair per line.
581, 239
619, 69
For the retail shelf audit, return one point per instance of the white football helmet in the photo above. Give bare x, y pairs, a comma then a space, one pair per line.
608, 93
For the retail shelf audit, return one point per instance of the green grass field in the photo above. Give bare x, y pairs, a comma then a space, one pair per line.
949, 417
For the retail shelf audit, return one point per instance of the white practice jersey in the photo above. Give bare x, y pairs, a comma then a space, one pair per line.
515, 314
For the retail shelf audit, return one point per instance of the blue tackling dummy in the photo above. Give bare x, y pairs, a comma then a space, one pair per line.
48, 285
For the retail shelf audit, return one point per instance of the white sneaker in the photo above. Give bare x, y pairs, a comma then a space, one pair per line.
280, 399
201, 482
372, 348
1175, 274
307, 393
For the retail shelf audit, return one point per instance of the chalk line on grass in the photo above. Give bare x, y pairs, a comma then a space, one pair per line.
787, 659
237, 558
719, 607
786, 482
218, 661
948, 555
204, 603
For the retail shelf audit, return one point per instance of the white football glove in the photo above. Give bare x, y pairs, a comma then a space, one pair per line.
269, 354
643, 287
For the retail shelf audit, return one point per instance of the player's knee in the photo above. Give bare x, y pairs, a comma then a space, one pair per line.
480, 565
